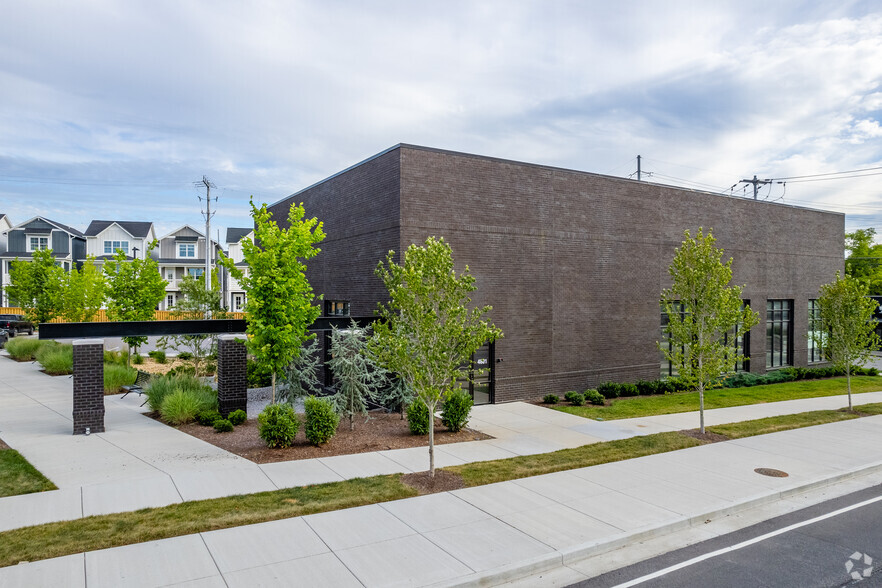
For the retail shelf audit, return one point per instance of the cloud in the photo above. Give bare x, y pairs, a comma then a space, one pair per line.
119, 106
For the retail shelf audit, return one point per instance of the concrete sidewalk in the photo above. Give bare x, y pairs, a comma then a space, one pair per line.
142, 463
488, 534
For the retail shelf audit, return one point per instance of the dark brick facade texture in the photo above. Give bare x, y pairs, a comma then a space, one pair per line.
573, 263
88, 387
232, 375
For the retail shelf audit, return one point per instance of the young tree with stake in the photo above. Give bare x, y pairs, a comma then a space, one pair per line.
702, 308
427, 331
279, 299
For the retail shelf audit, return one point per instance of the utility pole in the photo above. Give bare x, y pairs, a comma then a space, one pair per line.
207, 214
638, 168
756, 183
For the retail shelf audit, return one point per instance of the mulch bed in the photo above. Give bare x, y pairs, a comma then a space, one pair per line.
424, 483
707, 437
381, 432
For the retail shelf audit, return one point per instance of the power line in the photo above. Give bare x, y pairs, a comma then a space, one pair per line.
853, 171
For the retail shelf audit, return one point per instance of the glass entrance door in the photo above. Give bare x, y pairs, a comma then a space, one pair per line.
477, 378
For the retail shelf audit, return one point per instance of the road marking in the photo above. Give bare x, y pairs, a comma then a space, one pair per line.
701, 558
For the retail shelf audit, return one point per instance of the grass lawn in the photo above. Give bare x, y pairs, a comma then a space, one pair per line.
17, 476
639, 406
99, 532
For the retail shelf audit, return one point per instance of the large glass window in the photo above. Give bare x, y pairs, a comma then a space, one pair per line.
668, 369
195, 271
336, 308
779, 333
741, 344
186, 250
815, 353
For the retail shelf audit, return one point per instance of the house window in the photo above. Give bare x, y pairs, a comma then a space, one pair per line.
169, 301
186, 250
238, 302
110, 247
170, 276
38, 243
779, 333
815, 332
195, 271
336, 308
741, 344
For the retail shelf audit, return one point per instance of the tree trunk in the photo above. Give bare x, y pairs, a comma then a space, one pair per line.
274, 387
701, 407
432, 441
848, 382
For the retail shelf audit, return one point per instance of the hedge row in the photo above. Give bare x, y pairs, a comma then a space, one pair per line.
739, 380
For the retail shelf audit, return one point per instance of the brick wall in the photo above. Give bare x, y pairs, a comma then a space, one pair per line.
88, 386
232, 375
573, 263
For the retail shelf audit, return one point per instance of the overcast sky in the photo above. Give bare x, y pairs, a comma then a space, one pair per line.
111, 110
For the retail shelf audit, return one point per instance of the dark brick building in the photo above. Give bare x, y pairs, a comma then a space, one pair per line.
573, 263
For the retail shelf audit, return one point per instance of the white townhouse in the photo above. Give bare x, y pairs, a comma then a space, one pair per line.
104, 237
234, 297
182, 253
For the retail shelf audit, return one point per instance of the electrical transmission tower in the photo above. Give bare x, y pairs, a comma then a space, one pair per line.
756, 184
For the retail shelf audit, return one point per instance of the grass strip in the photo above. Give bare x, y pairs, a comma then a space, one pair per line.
640, 406
100, 532
18, 476
513, 468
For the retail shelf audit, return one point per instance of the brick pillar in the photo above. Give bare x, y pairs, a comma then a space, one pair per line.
88, 386
232, 375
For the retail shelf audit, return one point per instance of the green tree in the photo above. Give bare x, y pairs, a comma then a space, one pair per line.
357, 377
847, 334
196, 303
82, 293
36, 286
279, 305
427, 331
300, 377
864, 260
134, 289
702, 308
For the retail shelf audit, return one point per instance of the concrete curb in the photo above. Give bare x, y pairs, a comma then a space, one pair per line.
577, 553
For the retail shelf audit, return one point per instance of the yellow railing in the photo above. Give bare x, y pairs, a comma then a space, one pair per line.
101, 315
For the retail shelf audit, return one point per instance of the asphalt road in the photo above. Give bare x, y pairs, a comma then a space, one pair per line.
807, 548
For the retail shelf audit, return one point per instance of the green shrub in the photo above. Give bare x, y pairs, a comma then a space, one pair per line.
649, 387
116, 376
594, 397
183, 404
56, 359
550, 399
321, 420
456, 410
185, 355
223, 426
570, 395
418, 417
137, 359
158, 355
23, 349
182, 370
237, 417
628, 389
608, 390
577, 399
209, 368
278, 425
207, 418
259, 375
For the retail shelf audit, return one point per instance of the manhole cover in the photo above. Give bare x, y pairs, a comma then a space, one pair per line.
771, 472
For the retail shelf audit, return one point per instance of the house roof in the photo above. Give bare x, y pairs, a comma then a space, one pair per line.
235, 234
139, 229
57, 225
172, 233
